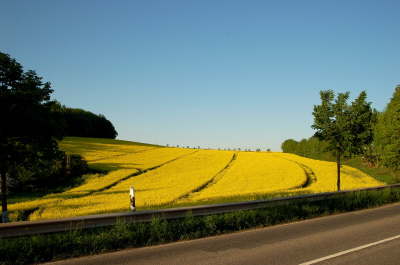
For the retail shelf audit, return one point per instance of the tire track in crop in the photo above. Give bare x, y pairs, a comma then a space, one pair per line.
310, 175
210, 182
140, 172
124, 154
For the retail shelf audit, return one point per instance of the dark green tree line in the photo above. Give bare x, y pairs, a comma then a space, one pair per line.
29, 131
82, 123
387, 134
311, 147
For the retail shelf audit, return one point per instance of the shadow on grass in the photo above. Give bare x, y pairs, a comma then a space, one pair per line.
108, 167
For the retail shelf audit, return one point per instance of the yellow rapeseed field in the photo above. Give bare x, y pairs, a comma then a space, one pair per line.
154, 188
326, 175
254, 173
172, 176
96, 150
121, 168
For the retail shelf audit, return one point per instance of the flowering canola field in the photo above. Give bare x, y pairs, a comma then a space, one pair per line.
165, 177
153, 188
140, 158
326, 175
254, 173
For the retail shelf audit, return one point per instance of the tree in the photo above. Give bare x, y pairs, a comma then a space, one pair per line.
289, 146
82, 123
362, 123
29, 129
387, 133
345, 128
311, 147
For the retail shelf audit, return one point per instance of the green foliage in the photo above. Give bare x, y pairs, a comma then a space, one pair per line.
311, 147
331, 120
387, 133
29, 130
373, 137
346, 128
41, 248
362, 122
289, 146
316, 151
82, 123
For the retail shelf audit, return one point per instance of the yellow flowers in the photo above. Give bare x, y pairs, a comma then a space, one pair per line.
172, 176
326, 175
153, 188
255, 173
124, 160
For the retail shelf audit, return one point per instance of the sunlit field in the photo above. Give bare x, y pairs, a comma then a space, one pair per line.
168, 177
254, 173
325, 175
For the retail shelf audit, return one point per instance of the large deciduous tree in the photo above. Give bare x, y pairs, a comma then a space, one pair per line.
346, 128
28, 128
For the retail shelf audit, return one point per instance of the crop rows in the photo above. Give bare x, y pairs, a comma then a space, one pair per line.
164, 177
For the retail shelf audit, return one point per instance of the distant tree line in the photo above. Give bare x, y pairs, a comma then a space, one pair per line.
83, 123
311, 147
219, 148
376, 140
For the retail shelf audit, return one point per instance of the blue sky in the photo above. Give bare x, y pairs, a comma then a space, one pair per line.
210, 73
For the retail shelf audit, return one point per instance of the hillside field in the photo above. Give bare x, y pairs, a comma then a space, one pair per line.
168, 177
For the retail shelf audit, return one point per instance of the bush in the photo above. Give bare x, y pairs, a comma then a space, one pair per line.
54, 173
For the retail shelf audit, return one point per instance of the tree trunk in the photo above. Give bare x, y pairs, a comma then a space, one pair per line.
338, 170
4, 215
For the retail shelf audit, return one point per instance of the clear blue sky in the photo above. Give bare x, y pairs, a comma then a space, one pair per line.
210, 73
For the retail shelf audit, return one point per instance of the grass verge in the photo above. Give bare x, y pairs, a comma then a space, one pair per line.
380, 173
41, 248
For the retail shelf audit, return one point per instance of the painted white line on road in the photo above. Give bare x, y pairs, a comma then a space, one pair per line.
349, 251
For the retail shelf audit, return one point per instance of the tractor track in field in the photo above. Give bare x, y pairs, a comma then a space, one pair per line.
124, 154
140, 172
211, 181
311, 178
29, 212
310, 175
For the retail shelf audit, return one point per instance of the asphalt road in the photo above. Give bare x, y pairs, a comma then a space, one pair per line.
367, 237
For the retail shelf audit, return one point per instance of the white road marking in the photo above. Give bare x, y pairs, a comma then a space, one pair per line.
350, 250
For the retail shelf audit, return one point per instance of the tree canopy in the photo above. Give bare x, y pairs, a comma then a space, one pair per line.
82, 123
387, 133
311, 147
29, 130
345, 128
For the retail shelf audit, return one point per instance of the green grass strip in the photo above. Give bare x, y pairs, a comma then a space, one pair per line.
42, 248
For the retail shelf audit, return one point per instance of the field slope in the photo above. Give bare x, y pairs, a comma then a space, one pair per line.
167, 177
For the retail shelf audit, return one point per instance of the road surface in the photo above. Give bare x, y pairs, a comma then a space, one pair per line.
367, 237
